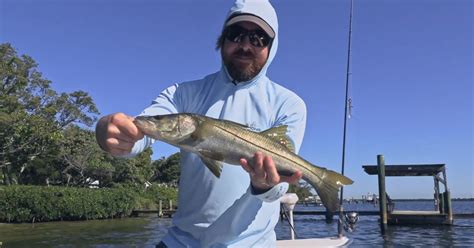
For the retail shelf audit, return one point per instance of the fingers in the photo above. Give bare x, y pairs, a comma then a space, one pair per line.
246, 166
126, 126
293, 179
119, 144
273, 177
263, 172
258, 167
117, 134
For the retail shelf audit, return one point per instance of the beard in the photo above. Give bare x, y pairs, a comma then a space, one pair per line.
239, 71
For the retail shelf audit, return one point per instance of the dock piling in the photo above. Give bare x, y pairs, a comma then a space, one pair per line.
436, 194
382, 194
448, 198
160, 210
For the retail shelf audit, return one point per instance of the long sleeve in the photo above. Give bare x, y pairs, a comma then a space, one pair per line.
166, 103
239, 222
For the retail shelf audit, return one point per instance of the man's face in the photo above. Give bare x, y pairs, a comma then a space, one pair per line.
242, 59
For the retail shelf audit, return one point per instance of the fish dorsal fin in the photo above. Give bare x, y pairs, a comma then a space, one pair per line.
279, 134
214, 166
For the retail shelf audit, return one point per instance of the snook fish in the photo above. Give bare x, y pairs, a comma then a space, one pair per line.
222, 141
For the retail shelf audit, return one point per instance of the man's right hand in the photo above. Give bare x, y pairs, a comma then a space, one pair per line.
116, 134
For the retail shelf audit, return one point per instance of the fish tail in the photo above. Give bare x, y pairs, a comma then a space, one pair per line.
327, 186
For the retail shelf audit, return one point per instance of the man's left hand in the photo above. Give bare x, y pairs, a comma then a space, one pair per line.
263, 173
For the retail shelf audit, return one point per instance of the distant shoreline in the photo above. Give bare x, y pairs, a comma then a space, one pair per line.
421, 199
452, 199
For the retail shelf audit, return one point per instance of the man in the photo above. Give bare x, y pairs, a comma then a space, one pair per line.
230, 211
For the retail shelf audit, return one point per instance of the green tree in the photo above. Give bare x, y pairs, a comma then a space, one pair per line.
82, 159
133, 171
167, 170
32, 114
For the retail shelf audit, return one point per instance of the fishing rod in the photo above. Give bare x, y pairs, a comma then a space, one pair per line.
285, 212
346, 107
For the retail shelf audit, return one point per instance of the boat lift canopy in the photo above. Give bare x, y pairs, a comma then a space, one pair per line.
407, 170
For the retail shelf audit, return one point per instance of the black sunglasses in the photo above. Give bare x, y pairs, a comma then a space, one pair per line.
257, 38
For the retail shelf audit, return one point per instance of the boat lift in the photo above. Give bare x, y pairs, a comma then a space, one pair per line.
442, 214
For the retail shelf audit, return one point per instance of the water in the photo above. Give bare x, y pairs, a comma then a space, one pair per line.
367, 231
147, 231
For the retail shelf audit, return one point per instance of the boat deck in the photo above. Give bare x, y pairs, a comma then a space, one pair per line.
316, 242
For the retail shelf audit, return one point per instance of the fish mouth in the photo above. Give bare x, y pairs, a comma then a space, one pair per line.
139, 121
145, 124
142, 121
157, 127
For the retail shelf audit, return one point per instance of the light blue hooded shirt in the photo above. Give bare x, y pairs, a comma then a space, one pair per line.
223, 212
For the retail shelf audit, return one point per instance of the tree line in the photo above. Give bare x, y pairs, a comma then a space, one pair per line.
45, 135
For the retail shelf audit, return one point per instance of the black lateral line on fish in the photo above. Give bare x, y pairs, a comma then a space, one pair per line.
257, 145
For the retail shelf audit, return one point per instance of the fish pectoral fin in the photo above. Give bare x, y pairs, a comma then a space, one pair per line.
213, 161
213, 165
279, 134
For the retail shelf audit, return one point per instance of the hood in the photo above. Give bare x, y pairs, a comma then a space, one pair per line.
264, 10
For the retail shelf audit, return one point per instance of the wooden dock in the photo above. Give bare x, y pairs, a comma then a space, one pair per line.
377, 213
161, 212
442, 214
147, 212
417, 217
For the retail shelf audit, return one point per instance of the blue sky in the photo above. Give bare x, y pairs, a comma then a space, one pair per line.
411, 84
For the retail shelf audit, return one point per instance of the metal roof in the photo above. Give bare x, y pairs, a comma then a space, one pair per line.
406, 170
